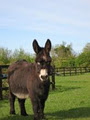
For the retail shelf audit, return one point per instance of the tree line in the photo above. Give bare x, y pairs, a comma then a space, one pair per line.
62, 56
8, 57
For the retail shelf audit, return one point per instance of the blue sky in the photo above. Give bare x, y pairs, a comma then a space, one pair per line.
21, 21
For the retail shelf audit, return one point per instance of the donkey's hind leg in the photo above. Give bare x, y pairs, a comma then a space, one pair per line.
22, 107
12, 100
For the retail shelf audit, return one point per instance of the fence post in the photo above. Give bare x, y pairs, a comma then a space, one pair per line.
53, 78
1, 84
85, 70
64, 71
81, 70
75, 70
70, 71
89, 69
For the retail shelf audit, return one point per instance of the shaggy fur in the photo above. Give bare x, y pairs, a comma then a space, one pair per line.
26, 79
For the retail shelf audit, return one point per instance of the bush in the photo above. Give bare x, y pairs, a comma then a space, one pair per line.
83, 59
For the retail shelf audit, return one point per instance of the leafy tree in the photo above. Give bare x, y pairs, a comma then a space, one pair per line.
84, 58
5, 56
21, 54
63, 51
63, 55
86, 48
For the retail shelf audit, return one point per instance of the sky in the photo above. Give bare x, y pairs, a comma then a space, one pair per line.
22, 21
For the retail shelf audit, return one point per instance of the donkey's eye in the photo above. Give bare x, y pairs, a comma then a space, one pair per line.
48, 63
38, 63
42, 62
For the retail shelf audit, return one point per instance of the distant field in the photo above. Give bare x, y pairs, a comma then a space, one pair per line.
70, 101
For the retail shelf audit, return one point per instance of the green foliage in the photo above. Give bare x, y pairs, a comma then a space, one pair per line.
5, 56
86, 48
21, 54
63, 51
83, 59
63, 55
71, 62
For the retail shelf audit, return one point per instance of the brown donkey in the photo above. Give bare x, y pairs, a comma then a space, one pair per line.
31, 80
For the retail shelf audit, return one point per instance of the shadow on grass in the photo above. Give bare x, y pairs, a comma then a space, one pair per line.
17, 117
83, 112
64, 89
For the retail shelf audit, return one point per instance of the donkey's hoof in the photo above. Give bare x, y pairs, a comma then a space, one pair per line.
36, 118
12, 113
44, 118
24, 114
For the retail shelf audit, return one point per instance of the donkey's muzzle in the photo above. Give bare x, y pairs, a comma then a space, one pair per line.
44, 77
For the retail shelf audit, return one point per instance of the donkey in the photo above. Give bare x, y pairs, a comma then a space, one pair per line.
31, 80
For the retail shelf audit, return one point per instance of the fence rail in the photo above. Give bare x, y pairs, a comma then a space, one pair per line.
71, 70
62, 71
3, 75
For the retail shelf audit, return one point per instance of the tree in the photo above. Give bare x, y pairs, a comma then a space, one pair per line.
84, 58
86, 48
63, 55
21, 54
5, 56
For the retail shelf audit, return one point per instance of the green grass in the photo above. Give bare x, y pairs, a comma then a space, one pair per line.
69, 101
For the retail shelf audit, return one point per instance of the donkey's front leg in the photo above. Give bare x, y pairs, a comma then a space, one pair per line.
41, 108
35, 109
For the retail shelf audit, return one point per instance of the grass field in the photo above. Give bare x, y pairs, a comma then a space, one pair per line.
69, 101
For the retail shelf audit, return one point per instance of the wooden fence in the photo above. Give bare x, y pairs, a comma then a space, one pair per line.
62, 71
3, 75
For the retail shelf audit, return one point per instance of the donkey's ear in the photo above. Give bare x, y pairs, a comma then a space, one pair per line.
36, 47
48, 46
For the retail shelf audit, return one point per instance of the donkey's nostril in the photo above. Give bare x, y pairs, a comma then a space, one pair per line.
44, 77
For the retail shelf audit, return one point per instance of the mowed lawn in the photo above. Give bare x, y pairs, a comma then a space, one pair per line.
69, 101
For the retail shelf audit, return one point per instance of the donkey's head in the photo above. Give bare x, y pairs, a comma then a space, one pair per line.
43, 59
